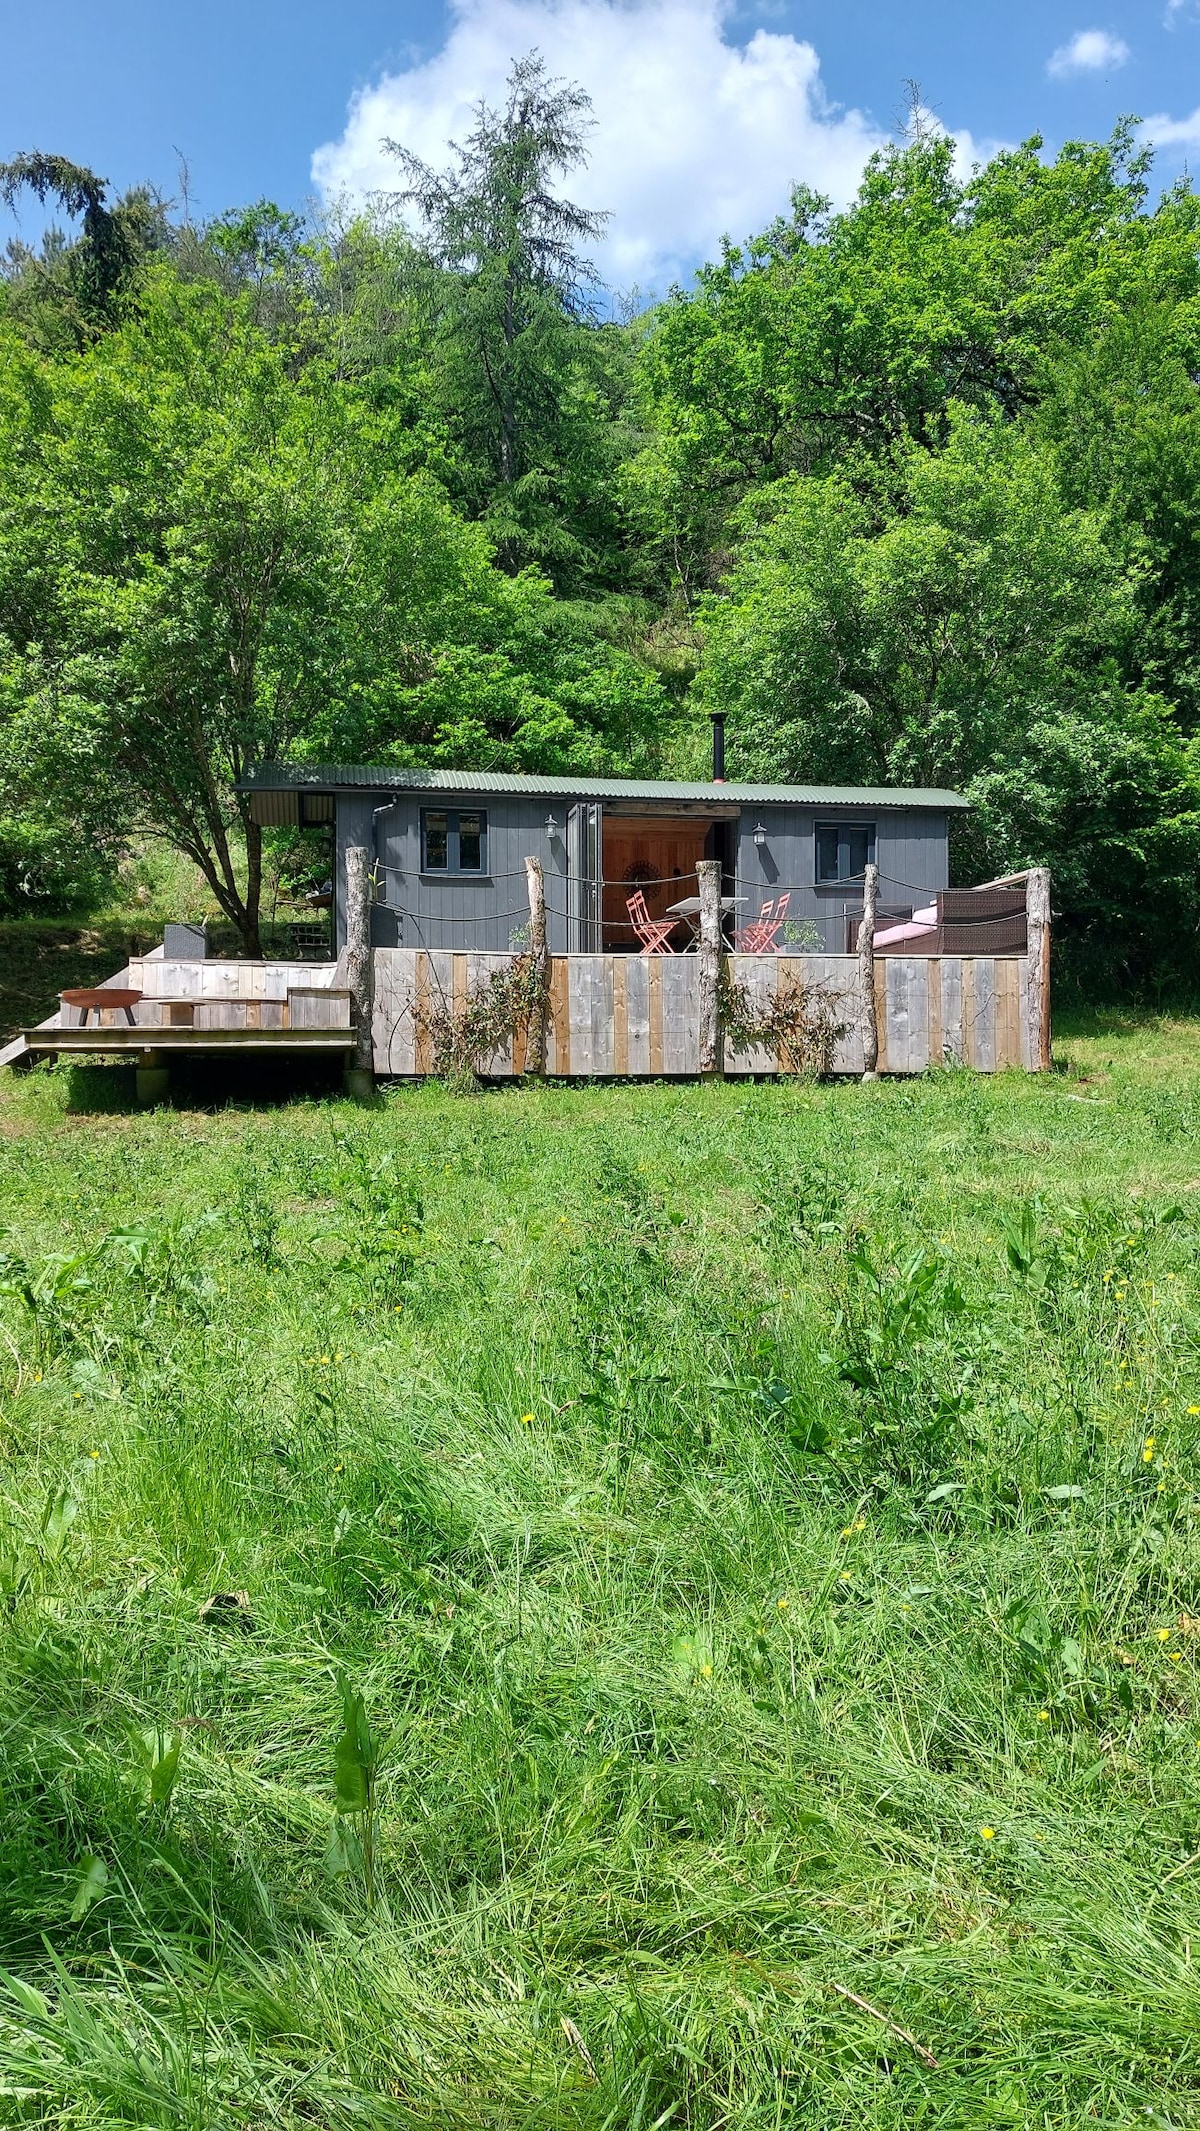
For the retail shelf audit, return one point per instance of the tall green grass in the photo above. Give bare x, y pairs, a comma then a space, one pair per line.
604, 1607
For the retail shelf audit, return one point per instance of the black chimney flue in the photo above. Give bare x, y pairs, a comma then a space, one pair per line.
718, 726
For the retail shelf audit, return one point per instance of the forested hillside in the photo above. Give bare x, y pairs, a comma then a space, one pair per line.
911, 491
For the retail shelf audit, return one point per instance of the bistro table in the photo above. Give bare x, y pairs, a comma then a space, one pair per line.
689, 908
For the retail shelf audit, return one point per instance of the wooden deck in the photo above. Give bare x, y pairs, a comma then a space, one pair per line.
611, 1016
135, 1042
197, 1007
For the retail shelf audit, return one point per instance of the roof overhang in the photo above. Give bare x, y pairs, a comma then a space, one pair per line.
650, 794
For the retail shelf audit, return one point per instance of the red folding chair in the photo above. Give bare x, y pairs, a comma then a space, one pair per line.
746, 941
760, 937
652, 932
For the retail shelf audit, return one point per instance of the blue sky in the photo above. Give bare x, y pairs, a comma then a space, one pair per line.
707, 110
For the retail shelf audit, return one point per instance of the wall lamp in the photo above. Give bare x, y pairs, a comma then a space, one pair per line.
551, 829
760, 836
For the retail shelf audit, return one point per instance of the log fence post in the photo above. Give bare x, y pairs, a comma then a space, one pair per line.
360, 1073
1037, 924
535, 1041
868, 1012
712, 1047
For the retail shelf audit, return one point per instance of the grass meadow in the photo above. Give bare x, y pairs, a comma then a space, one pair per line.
604, 1607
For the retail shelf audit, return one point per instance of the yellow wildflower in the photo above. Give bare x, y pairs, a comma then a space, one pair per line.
526, 1420
988, 1834
1043, 1716
1163, 1634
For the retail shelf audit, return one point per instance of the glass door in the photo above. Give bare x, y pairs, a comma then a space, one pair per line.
584, 850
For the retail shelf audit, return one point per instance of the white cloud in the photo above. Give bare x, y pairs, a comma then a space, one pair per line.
1089, 52
1173, 132
696, 137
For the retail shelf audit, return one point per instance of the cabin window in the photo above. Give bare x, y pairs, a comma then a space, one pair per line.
844, 850
453, 840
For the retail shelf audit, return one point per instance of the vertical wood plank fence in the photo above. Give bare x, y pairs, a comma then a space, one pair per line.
614, 1015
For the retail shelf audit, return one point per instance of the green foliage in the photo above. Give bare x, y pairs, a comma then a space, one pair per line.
230, 571
747, 1497
836, 339
62, 299
965, 627
911, 489
526, 382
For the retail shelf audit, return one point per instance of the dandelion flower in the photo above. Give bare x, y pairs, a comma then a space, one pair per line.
706, 1672
988, 1834
1194, 1409
526, 1420
1174, 1656
1163, 1634
1043, 1716
1147, 1457
782, 1604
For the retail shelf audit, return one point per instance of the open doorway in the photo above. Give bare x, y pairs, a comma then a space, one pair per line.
657, 854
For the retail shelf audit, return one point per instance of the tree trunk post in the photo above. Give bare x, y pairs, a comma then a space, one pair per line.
535, 1041
712, 1050
360, 1073
1037, 922
868, 1015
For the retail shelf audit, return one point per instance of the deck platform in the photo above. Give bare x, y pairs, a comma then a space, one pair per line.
134, 1042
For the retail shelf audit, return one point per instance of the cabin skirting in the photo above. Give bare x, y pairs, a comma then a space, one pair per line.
619, 1015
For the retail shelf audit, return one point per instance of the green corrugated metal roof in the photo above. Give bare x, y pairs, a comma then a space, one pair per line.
377, 777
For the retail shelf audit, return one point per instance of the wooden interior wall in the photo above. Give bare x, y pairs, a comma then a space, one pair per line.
670, 849
613, 1015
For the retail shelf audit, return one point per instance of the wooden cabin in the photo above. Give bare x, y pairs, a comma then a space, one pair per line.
449, 850
433, 898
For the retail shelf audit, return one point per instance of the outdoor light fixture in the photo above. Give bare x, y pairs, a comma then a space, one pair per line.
760, 836
551, 829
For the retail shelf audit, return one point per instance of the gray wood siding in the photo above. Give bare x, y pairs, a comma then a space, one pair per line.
910, 851
475, 912
479, 913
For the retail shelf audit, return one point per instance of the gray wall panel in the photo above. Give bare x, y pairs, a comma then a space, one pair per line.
481, 912
910, 851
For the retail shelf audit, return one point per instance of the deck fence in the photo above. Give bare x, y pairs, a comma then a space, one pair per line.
618, 1014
